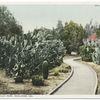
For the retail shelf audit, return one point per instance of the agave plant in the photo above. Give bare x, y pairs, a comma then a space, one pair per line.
96, 54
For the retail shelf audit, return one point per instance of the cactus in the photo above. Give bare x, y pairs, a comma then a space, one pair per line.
45, 69
96, 54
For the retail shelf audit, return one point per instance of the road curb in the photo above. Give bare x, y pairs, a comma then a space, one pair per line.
62, 83
78, 58
96, 84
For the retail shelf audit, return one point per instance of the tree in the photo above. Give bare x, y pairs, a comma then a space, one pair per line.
8, 25
73, 36
59, 30
90, 28
98, 32
59, 25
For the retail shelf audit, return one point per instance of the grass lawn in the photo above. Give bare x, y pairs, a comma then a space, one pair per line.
56, 76
97, 70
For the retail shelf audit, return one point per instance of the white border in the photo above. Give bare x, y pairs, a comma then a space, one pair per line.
49, 2
8, 97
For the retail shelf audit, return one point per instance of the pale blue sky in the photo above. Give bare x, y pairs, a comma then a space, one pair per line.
35, 16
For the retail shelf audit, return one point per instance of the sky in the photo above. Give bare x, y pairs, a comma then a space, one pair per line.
36, 16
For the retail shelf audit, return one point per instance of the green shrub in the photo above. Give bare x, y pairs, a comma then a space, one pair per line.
37, 80
63, 70
18, 79
56, 73
45, 69
86, 52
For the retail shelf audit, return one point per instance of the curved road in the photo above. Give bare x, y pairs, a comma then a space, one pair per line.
83, 81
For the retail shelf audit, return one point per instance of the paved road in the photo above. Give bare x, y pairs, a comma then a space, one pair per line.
83, 81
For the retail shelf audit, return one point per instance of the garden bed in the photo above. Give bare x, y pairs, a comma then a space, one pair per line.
56, 76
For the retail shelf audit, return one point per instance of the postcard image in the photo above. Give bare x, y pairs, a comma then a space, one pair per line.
49, 49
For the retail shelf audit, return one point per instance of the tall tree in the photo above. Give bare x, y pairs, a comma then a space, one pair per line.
73, 36
59, 25
98, 32
58, 32
90, 28
8, 25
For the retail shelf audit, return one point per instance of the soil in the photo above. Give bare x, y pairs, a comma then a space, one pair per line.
8, 85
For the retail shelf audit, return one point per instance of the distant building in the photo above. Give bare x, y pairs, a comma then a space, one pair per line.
92, 37
91, 40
